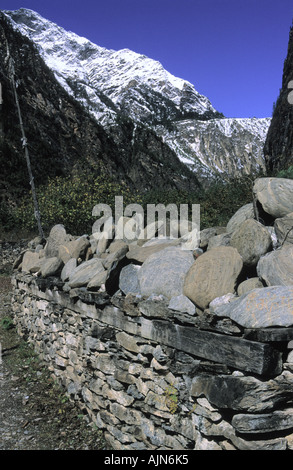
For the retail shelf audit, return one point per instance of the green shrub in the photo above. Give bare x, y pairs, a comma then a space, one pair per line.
288, 173
70, 201
223, 198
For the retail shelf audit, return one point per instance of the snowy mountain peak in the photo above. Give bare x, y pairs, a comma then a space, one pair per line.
111, 83
113, 73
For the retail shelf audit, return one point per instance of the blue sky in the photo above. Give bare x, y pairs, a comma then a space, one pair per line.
232, 51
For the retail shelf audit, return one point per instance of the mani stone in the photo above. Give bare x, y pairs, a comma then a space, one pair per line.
249, 284
56, 238
83, 274
164, 272
261, 308
219, 240
212, 275
141, 253
31, 262
284, 229
244, 213
73, 249
276, 268
181, 303
128, 279
252, 240
275, 195
68, 268
207, 233
51, 266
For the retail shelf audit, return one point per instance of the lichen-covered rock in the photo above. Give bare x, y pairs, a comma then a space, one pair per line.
212, 275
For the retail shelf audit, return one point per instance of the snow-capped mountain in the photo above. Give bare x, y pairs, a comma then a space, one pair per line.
112, 83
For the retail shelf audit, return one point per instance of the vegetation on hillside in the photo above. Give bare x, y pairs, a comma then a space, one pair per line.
70, 201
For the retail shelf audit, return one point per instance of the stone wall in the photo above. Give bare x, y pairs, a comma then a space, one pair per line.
152, 377
171, 343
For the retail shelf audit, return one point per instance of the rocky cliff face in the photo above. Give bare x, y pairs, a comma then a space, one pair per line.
278, 148
110, 84
62, 135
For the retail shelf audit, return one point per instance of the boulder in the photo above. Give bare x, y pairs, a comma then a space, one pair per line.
68, 268
278, 420
207, 233
276, 268
275, 195
223, 300
83, 274
219, 240
74, 249
245, 212
284, 229
103, 244
51, 266
57, 237
128, 279
212, 275
181, 303
98, 280
117, 245
152, 230
140, 254
249, 284
252, 240
164, 272
31, 262
261, 308
114, 257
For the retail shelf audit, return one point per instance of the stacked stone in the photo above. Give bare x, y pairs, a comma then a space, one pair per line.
145, 374
168, 348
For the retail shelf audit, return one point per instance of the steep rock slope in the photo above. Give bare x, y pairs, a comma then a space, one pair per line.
63, 137
113, 83
278, 148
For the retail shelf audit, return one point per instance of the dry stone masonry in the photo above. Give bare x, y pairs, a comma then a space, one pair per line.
167, 348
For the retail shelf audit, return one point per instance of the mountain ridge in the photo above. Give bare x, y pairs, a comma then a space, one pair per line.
110, 83
64, 138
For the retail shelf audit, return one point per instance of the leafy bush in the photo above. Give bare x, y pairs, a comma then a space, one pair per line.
70, 201
223, 198
288, 173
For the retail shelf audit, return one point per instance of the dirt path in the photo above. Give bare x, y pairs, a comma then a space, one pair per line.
34, 412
